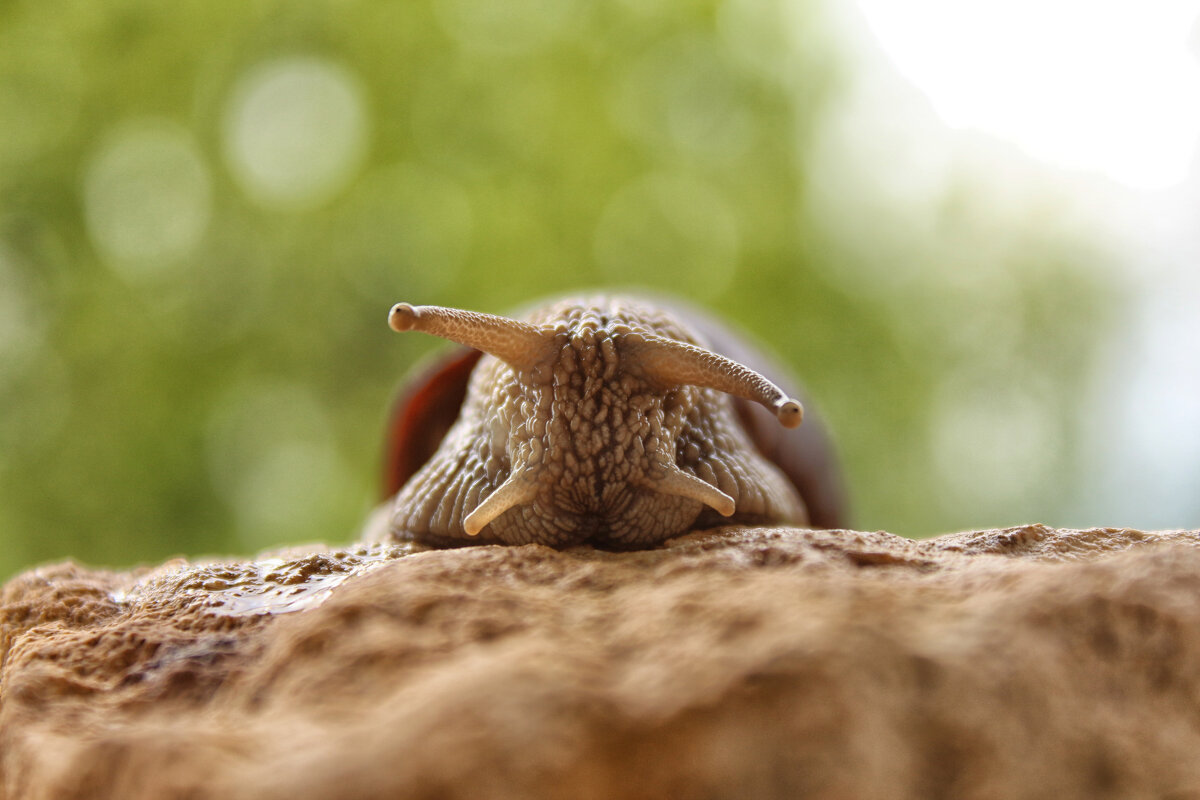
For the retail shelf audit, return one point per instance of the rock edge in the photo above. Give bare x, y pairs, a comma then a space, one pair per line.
740, 662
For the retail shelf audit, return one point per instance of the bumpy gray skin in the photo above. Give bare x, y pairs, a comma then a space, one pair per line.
594, 436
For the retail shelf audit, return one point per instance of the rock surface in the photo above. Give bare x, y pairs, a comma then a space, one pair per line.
743, 662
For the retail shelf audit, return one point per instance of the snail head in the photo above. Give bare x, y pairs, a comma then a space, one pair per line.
588, 421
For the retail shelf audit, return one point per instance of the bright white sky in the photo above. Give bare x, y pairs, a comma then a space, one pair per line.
1111, 86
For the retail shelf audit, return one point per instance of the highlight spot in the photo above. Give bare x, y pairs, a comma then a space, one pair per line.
295, 132
147, 197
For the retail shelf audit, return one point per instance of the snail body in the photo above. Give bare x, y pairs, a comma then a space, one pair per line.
604, 420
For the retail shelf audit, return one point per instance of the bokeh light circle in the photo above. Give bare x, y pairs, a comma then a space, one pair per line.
22, 321
511, 27
147, 197
295, 132
273, 459
685, 96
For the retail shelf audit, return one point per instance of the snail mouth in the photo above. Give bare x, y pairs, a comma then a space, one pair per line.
626, 517
627, 513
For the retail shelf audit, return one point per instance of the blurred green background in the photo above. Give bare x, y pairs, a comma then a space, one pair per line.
207, 208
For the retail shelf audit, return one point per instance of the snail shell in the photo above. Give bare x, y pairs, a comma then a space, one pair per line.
603, 420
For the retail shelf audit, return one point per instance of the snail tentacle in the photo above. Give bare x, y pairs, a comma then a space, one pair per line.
515, 491
674, 363
674, 481
520, 345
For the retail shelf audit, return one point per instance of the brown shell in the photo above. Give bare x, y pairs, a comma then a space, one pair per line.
432, 395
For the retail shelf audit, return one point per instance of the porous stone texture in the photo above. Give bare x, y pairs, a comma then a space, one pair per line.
740, 662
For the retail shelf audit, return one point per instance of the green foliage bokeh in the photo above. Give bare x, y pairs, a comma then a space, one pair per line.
193, 355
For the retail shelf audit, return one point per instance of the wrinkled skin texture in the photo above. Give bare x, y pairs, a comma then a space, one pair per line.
592, 440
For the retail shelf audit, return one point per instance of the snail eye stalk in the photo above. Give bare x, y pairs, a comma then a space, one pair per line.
672, 363
520, 345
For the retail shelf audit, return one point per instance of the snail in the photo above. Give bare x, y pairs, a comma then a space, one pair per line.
603, 420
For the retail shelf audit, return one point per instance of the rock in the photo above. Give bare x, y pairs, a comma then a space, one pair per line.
742, 662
